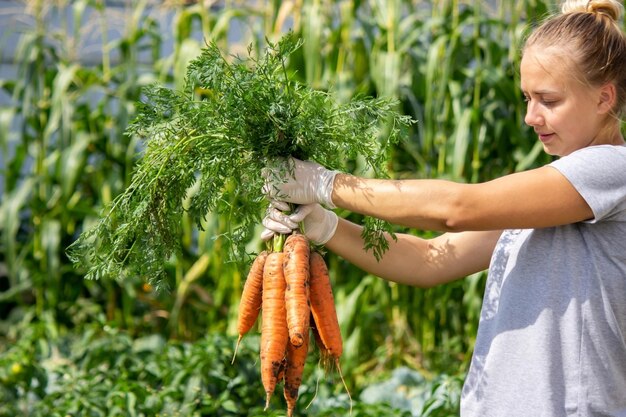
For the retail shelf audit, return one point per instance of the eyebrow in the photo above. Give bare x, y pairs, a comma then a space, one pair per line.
542, 92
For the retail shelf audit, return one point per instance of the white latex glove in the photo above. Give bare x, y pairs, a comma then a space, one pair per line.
299, 182
319, 224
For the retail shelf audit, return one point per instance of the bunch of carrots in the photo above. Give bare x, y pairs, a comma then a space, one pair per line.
291, 287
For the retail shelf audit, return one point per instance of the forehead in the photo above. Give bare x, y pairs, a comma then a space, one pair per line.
543, 70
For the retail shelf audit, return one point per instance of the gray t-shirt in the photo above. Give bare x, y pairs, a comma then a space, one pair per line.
552, 335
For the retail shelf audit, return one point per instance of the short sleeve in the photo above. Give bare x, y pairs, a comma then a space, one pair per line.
599, 174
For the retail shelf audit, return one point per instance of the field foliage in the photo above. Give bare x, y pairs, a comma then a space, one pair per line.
69, 344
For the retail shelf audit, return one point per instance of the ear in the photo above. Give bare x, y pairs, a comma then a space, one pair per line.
607, 98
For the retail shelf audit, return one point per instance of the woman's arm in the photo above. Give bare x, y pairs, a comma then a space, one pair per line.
414, 261
537, 198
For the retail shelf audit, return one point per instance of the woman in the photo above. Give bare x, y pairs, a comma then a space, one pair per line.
552, 333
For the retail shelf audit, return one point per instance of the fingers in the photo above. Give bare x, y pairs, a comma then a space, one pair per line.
278, 164
267, 234
272, 177
281, 218
275, 168
276, 227
305, 165
289, 179
318, 223
280, 205
301, 212
270, 190
276, 221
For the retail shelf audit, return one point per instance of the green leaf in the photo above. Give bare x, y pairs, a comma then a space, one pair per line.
212, 138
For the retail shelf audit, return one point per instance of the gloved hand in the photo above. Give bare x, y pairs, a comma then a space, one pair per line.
299, 182
319, 224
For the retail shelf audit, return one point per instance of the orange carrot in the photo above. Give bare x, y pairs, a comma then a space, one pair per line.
318, 340
296, 358
323, 306
296, 269
274, 336
251, 298
324, 314
325, 359
281, 370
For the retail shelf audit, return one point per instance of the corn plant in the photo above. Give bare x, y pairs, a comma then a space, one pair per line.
451, 64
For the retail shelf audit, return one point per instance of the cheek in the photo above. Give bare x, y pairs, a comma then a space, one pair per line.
577, 128
569, 118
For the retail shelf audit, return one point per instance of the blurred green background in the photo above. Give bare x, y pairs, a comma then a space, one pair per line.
71, 74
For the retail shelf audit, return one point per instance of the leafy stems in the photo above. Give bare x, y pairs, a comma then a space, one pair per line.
249, 113
278, 242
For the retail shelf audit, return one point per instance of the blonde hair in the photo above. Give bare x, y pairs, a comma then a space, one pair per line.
589, 32
612, 8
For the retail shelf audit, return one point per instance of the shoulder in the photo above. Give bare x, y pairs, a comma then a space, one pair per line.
617, 152
599, 162
599, 174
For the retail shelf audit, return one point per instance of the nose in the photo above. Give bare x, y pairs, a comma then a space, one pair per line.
533, 117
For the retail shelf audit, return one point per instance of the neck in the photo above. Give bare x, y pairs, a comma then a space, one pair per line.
612, 134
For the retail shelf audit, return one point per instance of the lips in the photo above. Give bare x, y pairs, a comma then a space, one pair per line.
544, 137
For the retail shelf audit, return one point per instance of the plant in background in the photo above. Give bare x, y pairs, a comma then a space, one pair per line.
64, 155
210, 142
62, 148
106, 372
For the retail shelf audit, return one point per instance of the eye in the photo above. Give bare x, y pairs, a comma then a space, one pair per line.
549, 103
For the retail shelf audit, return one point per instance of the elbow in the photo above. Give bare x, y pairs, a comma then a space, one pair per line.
459, 216
455, 224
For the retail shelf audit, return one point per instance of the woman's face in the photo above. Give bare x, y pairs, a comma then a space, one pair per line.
565, 114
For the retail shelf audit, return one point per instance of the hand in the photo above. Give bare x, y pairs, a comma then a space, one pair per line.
319, 224
299, 182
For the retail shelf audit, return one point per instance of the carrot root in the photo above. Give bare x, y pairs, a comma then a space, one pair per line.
296, 269
274, 336
296, 299
323, 306
343, 381
236, 348
251, 299
296, 358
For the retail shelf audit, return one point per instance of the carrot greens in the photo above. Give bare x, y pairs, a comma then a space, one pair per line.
207, 144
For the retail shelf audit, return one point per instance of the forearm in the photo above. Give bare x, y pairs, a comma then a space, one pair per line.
537, 198
414, 261
424, 205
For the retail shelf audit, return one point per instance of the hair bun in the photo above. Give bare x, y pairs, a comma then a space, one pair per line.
611, 8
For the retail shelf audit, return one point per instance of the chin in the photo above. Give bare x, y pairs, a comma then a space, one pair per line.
558, 151
551, 151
